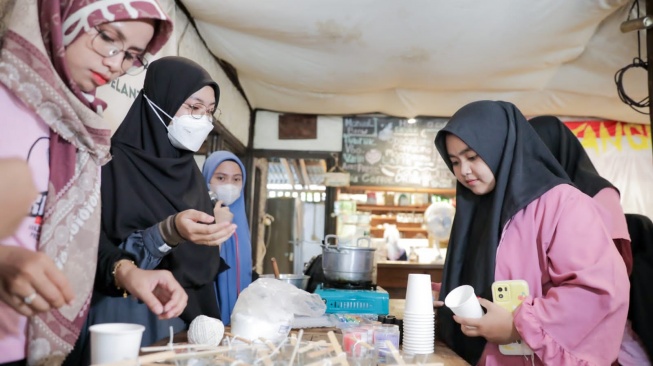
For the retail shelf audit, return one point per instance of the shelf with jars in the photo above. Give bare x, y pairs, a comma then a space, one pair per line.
401, 207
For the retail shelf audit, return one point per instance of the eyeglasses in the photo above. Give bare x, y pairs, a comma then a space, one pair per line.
107, 44
198, 110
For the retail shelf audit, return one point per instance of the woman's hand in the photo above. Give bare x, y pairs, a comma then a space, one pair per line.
30, 282
158, 289
201, 228
497, 325
435, 289
222, 213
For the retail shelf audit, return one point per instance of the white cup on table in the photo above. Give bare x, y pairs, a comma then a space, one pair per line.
112, 342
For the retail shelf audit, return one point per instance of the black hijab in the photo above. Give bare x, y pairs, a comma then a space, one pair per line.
570, 154
523, 168
640, 229
148, 179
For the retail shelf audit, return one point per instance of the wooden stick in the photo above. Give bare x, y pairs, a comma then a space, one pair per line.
265, 358
309, 347
238, 338
161, 356
342, 359
395, 353
270, 345
366, 345
177, 346
294, 350
320, 352
224, 358
275, 267
332, 360
337, 348
183, 356
334, 342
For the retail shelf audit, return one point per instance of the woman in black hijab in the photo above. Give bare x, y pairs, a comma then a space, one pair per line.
569, 152
155, 204
519, 217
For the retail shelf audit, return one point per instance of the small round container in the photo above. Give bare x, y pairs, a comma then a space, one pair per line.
351, 341
386, 332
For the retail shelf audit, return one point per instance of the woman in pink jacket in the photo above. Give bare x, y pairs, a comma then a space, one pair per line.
519, 217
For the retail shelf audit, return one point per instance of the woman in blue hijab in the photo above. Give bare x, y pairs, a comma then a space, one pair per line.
225, 177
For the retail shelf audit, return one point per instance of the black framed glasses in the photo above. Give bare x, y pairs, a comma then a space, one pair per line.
106, 43
198, 110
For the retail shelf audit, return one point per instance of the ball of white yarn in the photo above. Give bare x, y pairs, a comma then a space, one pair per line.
206, 330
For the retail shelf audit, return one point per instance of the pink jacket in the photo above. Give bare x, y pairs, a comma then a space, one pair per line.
578, 283
615, 221
24, 135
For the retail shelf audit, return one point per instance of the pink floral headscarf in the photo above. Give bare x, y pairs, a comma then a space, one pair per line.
81, 16
32, 67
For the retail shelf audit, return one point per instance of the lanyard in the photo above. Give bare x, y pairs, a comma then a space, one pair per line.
237, 265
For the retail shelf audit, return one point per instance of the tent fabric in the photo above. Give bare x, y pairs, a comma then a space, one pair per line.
426, 58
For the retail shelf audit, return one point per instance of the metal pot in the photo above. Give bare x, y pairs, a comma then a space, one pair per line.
298, 280
347, 264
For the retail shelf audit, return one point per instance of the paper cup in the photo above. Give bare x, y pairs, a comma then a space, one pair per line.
419, 298
112, 342
463, 302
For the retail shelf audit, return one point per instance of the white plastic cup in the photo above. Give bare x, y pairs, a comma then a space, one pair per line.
419, 298
112, 342
463, 302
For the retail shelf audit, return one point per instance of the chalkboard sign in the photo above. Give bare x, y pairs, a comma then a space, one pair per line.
388, 151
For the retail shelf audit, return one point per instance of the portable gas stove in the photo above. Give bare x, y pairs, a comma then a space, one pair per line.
355, 299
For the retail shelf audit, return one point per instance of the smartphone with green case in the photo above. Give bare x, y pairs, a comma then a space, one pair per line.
509, 294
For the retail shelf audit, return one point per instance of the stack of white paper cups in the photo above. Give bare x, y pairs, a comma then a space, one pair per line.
419, 332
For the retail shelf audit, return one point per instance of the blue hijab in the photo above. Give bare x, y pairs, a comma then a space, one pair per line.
226, 281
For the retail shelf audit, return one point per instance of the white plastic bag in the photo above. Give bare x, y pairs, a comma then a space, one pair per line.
267, 307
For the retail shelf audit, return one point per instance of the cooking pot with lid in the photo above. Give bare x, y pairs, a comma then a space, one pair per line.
347, 264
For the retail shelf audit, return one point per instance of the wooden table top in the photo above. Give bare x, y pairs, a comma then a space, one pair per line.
442, 352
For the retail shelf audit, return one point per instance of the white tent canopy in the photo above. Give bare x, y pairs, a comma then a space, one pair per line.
426, 58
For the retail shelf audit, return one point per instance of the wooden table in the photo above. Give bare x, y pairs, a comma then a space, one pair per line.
442, 352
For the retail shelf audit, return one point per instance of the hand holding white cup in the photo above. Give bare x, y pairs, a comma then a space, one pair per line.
463, 302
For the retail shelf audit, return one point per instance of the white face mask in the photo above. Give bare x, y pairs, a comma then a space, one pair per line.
227, 193
185, 132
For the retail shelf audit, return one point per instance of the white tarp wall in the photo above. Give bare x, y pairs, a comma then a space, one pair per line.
185, 42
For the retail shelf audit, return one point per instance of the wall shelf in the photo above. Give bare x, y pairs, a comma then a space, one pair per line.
363, 189
381, 208
409, 225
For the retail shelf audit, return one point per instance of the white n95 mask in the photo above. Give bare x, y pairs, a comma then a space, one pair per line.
188, 133
227, 193
185, 132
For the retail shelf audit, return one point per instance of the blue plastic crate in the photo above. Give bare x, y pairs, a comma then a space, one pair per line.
355, 301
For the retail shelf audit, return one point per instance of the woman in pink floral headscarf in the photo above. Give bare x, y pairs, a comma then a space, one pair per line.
53, 55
